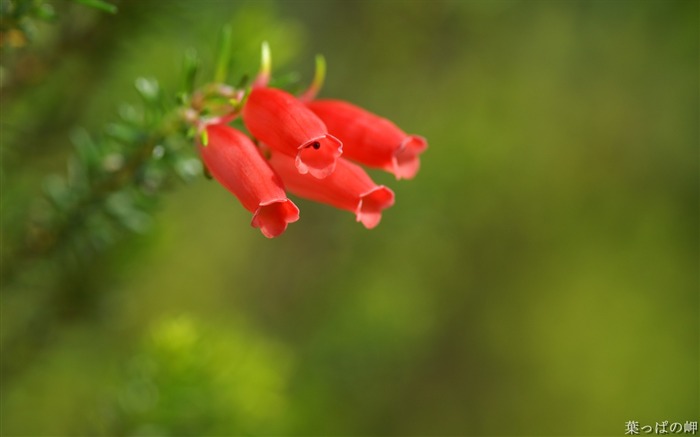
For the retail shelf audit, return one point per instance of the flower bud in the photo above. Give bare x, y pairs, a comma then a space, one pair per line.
234, 161
348, 187
370, 139
279, 120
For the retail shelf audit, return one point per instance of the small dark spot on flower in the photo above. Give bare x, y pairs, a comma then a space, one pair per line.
316, 145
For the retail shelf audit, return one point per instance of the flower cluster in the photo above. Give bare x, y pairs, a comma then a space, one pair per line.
307, 147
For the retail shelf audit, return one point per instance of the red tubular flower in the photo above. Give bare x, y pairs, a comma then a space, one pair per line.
348, 187
370, 139
279, 120
237, 164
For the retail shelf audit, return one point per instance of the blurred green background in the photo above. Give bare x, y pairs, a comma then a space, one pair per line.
538, 277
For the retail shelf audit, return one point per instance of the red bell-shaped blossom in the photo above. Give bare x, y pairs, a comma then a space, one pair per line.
370, 139
348, 187
234, 161
279, 120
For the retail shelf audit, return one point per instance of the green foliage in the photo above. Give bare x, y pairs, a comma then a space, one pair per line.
111, 183
190, 379
18, 20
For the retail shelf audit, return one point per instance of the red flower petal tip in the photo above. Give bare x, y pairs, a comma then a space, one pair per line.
405, 162
369, 209
272, 218
318, 156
